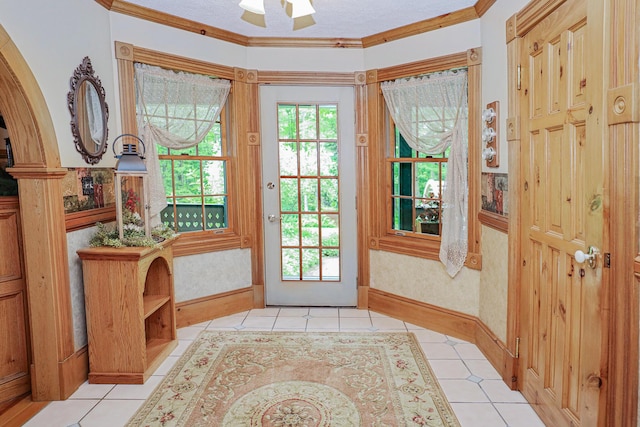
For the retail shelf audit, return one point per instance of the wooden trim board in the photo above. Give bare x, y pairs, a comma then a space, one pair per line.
448, 322
203, 309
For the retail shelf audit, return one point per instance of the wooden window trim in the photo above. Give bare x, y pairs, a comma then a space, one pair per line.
199, 242
390, 160
413, 244
195, 242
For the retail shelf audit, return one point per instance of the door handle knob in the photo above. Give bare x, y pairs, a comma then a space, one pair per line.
591, 257
273, 218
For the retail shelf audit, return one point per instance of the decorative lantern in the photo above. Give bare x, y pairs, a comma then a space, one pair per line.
132, 194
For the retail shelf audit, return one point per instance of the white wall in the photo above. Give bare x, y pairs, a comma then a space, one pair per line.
161, 38
494, 68
455, 39
54, 37
494, 275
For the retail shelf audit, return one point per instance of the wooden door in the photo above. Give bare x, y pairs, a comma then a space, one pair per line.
15, 380
561, 351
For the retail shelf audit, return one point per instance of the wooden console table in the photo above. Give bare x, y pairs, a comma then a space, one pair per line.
130, 310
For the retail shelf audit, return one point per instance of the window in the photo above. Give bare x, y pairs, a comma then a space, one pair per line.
195, 181
411, 211
416, 191
181, 119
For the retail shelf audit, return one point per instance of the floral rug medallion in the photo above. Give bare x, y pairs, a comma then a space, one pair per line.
293, 379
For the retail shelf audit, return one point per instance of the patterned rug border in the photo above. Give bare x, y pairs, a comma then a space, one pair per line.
444, 409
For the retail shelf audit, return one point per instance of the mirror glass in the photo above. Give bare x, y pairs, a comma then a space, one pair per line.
89, 113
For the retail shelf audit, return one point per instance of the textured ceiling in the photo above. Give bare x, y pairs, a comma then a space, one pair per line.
333, 18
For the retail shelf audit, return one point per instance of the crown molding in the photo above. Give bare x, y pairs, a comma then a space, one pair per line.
442, 21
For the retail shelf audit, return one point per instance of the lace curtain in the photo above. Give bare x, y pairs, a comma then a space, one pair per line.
94, 115
431, 113
175, 110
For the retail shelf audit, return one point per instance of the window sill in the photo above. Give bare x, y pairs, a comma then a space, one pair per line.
420, 248
410, 245
193, 243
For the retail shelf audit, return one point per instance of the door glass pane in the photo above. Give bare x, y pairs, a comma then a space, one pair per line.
290, 230
289, 195
330, 230
309, 195
309, 158
329, 159
310, 264
309, 240
288, 159
291, 264
328, 115
310, 230
287, 127
307, 121
331, 265
329, 195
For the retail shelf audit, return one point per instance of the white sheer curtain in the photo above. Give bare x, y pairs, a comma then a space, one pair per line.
175, 110
431, 113
94, 115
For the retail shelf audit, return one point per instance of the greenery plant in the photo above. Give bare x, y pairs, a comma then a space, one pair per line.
133, 232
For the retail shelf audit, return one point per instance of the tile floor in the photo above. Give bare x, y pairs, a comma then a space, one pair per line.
474, 388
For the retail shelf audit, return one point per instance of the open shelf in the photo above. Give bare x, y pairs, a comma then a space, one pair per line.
153, 302
131, 325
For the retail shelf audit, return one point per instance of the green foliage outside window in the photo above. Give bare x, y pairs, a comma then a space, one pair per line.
309, 185
417, 186
195, 181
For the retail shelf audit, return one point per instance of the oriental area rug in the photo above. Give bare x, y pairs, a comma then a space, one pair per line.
295, 379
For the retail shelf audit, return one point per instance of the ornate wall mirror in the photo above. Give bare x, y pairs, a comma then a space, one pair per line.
89, 113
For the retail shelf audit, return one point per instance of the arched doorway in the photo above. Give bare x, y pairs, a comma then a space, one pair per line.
37, 169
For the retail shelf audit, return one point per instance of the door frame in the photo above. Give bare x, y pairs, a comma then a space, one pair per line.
620, 132
276, 93
358, 80
39, 174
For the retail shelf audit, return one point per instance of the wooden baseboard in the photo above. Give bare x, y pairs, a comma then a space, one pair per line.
448, 322
21, 411
74, 371
497, 354
214, 306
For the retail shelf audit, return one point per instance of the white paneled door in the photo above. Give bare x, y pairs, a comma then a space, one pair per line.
308, 155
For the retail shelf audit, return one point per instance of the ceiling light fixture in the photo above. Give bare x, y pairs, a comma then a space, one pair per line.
294, 8
253, 6
300, 8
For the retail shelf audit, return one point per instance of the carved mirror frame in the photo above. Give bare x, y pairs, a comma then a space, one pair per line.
90, 136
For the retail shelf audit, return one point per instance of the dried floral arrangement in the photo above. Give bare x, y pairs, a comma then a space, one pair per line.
133, 232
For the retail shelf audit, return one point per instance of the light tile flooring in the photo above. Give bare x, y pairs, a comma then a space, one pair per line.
473, 387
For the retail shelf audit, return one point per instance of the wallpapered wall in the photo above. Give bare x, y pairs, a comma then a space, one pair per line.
88, 188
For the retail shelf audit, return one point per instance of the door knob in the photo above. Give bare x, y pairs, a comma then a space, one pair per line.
590, 257
272, 218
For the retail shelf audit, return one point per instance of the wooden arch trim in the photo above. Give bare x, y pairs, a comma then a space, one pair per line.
38, 172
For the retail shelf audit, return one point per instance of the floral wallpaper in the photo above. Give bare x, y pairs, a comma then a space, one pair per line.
88, 188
